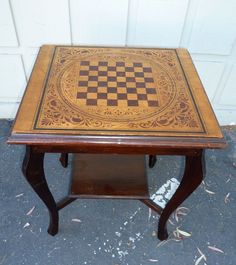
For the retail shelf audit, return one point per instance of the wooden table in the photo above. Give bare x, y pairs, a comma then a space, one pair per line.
111, 107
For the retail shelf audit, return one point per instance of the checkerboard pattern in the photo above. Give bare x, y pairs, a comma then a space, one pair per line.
122, 84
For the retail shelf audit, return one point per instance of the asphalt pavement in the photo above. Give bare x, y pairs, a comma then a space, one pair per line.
116, 232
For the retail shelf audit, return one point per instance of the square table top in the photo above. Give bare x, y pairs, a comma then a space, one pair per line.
76, 92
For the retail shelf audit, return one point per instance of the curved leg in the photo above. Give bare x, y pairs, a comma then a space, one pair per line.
152, 161
33, 171
64, 159
192, 178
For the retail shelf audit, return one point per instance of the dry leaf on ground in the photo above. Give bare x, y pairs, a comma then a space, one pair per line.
19, 195
200, 252
31, 210
209, 191
216, 249
76, 220
26, 225
202, 257
184, 233
227, 198
180, 211
199, 260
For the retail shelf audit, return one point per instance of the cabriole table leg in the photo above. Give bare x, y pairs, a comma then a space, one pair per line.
33, 171
192, 178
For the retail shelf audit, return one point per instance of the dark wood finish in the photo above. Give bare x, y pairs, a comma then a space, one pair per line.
64, 159
192, 178
152, 161
33, 171
145, 102
104, 176
64, 202
107, 143
152, 205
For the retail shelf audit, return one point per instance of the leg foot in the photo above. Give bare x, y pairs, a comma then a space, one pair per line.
192, 178
162, 235
152, 161
53, 225
64, 159
33, 171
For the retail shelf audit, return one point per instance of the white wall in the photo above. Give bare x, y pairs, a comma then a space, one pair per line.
206, 27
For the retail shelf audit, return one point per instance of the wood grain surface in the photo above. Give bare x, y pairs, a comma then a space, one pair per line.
77, 92
104, 176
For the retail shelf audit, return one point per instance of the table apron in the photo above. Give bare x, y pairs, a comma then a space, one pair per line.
117, 150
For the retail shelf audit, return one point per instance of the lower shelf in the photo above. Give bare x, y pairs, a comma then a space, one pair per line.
109, 176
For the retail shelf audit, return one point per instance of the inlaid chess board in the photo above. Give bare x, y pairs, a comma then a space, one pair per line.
116, 91
121, 84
